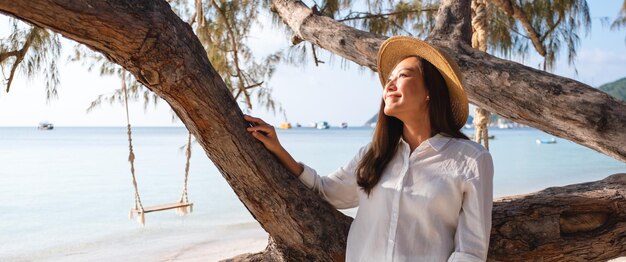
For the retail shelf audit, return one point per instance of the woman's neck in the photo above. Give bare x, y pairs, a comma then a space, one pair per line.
414, 133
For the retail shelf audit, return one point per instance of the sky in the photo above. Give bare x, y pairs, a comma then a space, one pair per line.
330, 92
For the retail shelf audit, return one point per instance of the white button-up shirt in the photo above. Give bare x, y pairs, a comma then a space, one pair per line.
432, 204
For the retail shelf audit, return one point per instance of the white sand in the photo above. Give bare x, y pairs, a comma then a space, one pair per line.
223, 249
199, 246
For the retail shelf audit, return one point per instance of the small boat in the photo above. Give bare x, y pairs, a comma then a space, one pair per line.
344, 125
322, 125
45, 126
285, 125
546, 141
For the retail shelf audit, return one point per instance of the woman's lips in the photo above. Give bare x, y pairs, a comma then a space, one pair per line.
392, 96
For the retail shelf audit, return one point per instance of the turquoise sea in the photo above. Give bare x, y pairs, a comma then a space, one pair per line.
67, 192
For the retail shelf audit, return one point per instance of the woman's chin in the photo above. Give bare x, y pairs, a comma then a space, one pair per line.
389, 112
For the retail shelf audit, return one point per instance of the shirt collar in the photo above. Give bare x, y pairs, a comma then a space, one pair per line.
437, 142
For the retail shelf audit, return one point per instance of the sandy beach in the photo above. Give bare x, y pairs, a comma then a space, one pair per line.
200, 246
222, 249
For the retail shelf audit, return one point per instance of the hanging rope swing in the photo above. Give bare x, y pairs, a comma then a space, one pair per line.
183, 206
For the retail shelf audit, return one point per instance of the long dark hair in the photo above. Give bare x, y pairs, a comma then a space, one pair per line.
389, 129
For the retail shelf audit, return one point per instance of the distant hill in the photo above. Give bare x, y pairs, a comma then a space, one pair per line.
616, 89
372, 120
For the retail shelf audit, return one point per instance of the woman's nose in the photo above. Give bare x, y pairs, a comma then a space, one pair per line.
391, 85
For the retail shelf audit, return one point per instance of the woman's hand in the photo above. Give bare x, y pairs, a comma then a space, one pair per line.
265, 133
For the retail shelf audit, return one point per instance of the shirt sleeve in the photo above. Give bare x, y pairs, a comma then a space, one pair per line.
473, 231
339, 188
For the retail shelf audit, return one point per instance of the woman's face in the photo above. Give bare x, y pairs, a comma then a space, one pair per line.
405, 94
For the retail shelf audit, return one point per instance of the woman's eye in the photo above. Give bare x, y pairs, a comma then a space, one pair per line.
402, 75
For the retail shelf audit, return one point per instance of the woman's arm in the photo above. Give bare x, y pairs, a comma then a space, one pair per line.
473, 230
267, 135
339, 188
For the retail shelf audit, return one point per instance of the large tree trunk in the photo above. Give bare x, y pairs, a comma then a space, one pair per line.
554, 104
161, 51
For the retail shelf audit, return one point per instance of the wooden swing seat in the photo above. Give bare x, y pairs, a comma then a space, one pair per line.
161, 207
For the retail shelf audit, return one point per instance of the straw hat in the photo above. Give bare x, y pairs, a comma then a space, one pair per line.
397, 48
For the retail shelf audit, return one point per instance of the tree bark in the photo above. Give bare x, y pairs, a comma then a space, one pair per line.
161, 51
583, 222
554, 104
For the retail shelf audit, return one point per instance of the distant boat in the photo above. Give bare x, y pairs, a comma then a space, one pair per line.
322, 125
344, 125
285, 125
546, 141
45, 126
504, 126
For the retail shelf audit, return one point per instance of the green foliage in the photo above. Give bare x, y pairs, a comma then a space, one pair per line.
616, 89
97, 62
415, 18
223, 31
505, 37
556, 23
620, 21
32, 50
222, 27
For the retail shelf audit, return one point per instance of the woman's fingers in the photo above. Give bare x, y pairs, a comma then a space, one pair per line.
264, 139
254, 120
263, 128
263, 132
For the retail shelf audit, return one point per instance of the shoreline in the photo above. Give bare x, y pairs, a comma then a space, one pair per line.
214, 245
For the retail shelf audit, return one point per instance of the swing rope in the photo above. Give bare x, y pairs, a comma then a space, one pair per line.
184, 198
131, 158
183, 206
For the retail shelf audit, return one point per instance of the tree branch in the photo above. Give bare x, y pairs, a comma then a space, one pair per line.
558, 21
365, 15
233, 42
317, 61
19, 55
454, 21
512, 9
5, 55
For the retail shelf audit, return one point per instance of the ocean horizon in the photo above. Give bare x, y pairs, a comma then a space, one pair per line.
67, 192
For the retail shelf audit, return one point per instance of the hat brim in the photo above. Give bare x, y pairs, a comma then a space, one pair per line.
397, 48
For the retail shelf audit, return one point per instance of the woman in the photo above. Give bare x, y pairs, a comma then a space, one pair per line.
423, 189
